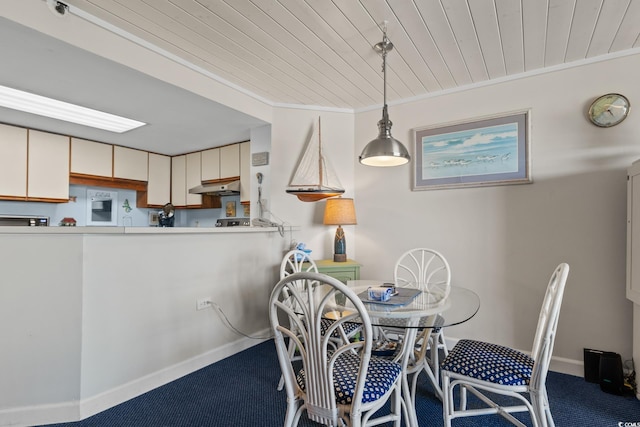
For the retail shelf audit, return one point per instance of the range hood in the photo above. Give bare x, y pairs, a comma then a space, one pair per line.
226, 189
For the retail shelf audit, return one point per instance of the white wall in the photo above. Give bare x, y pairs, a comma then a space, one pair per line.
89, 321
40, 320
504, 241
139, 300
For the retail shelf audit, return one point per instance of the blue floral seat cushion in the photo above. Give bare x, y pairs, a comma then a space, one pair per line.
349, 327
381, 376
489, 362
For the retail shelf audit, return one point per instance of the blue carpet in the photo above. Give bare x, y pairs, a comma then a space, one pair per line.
240, 391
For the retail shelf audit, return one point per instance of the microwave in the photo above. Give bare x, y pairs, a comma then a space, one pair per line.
102, 207
23, 221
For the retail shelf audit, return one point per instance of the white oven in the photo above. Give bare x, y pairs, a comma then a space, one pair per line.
102, 207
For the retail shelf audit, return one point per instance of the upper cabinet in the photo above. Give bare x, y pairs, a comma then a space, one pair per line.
129, 163
108, 161
91, 158
185, 174
34, 165
210, 164
221, 163
230, 161
179, 181
245, 172
159, 182
48, 166
193, 173
13, 161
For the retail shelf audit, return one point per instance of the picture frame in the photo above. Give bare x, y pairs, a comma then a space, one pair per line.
230, 209
154, 218
487, 151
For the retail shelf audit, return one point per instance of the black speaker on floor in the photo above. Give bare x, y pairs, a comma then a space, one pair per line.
592, 365
611, 376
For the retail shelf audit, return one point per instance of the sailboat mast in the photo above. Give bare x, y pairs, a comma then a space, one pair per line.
319, 153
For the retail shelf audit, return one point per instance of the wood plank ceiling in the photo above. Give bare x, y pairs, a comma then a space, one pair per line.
319, 52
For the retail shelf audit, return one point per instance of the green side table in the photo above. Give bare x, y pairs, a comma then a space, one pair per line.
343, 271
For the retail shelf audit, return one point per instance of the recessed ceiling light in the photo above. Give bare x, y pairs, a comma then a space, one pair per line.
48, 107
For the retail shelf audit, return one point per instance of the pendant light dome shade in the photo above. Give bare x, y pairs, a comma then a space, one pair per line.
385, 150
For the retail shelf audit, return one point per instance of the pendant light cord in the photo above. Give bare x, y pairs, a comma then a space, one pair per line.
385, 40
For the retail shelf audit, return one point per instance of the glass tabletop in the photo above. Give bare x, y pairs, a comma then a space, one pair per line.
460, 305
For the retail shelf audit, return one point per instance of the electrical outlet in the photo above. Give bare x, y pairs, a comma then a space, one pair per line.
203, 303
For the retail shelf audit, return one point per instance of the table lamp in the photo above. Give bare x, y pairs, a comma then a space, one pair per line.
339, 211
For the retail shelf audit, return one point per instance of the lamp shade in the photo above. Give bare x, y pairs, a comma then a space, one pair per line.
340, 211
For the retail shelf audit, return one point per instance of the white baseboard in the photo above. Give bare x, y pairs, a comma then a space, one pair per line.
79, 410
40, 414
567, 366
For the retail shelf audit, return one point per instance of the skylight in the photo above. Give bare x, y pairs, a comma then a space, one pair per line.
48, 107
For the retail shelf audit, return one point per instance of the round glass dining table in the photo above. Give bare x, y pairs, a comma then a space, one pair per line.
460, 305
414, 313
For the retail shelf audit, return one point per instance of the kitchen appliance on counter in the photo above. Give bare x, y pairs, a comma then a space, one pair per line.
23, 221
102, 207
233, 222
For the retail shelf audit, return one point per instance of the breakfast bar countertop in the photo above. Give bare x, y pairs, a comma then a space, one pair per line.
134, 230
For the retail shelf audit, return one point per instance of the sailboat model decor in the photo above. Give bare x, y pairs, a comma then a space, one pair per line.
314, 179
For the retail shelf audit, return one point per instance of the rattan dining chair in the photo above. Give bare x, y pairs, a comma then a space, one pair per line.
296, 261
480, 367
335, 385
428, 270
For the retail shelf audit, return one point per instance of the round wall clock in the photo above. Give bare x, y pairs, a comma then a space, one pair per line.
609, 110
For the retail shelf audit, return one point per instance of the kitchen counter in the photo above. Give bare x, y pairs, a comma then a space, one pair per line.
136, 230
98, 315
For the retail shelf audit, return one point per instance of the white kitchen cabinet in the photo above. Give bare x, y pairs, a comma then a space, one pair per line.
48, 166
13, 161
159, 180
230, 161
185, 174
129, 163
245, 171
193, 174
210, 164
109, 161
91, 158
179, 181
221, 163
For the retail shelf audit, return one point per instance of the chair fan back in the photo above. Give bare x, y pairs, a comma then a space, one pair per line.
547, 325
425, 269
294, 262
313, 295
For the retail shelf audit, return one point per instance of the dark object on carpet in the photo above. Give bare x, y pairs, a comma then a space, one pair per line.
592, 365
611, 377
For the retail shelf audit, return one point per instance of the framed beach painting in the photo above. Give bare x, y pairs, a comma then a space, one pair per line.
484, 152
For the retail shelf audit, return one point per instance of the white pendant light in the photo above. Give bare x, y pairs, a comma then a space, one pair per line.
385, 150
